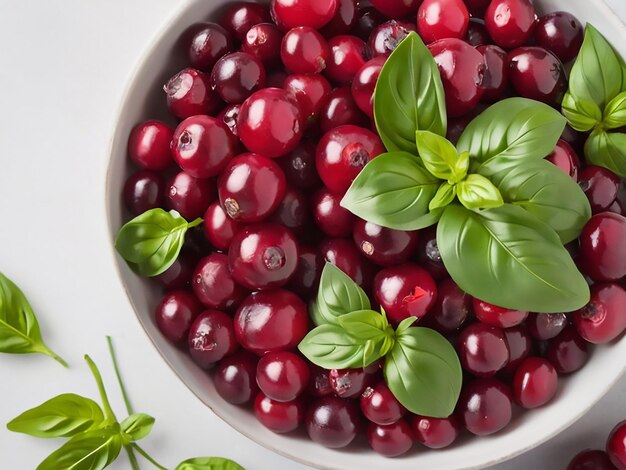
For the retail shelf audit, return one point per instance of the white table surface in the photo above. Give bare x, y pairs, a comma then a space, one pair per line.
63, 66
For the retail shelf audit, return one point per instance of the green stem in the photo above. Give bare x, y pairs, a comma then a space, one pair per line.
131, 457
103, 394
147, 457
129, 407
55, 356
195, 223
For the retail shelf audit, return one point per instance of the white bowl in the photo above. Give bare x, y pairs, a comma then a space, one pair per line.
144, 99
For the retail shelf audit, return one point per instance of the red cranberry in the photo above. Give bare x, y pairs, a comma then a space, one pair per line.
520, 346
616, 446
602, 319
332, 422
436, 433
305, 280
535, 382
304, 50
293, 211
214, 285
209, 42
344, 20
270, 122
237, 75
441, 19
565, 157
428, 254
329, 216
390, 440
341, 109
368, 18
319, 384
537, 74
462, 68
271, 321
561, 33
190, 196
497, 316
189, 93
485, 406
386, 37
543, 326
175, 313
251, 187
383, 246
482, 349
218, 227
229, 116
292, 13
477, 34
451, 309
280, 417
343, 254
263, 41
211, 337
241, 16
567, 352
235, 378
142, 191
601, 187
396, 8
349, 383
364, 84
496, 78
510, 22
591, 460
380, 406
299, 166
347, 56
179, 274
282, 375
149, 145
602, 248
311, 92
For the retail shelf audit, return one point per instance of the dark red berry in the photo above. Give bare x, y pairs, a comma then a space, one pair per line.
543, 326
189, 93
510, 22
305, 280
237, 75
342, 253
333, 422
396, 8
175, 314
218, 227
341, 109
319, 384
535, 382
344, 20
347, 55
390, 440
263, 41
211, 338
380, 406
293, 13
241, 16
299, 166
565, 157
485, 406
364, 83
280, 417
567, 352
428, 254
561, 33
537, 74
149, 145
209, 42
497, 316
385, 38
616, 446
477, 34
143, 190
349, 383
601, 187
311, 92
304, 50
235, 378
602, 248
368, 18
441, 19
435, 433
496, 76
190, 196
282, 375
482, 349
329, 216
384, 246
451, 308
179, 274
293, 212
214, 285
591, 460
229, 116
602, 319
520, 346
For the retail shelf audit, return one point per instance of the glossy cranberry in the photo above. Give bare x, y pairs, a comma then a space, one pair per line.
485, 406
380, 406
537, 74
404, 291
311, 92
364, 84
299, 166
203, 145
280, 417
179, 274
535, 382
251, 187
293, 211
305, 280
149, 145
435, 433
349, 383
175, 314
211, 338
567, 352
237, 75
616, 446
591, 460
214, 285
342, 153
493, 315
543, 326
510, 22
344, 20
396, 8
189, 93
333, 422
428, 254
385, 38
142, 191
209, 42
241, 16
229, 116
293, 13
343, 254
601, 187
235, 378
282, 375
390, 440
341, 109
561, 33
441, 19
304, 50
496, 78
602, 248
383, 246
271, 321
565, 157
329, 216
347, 55
190, 196
520, 346
319, 384
482, 349
451, 308
368, 18
477, 34
270, 122
602, 319
218, 227
462, 68
263, 41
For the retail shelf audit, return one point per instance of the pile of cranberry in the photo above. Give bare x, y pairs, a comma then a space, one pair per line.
272, 121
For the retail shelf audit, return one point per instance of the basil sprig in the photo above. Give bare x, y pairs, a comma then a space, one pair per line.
504, 212
421, 367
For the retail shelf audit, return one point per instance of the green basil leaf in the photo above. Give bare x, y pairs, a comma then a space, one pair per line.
62, 416
409, 96
511, 130
405, 324
444, 196
137, 426
93, 450
548, 193
364, 324
151, 242
608, 150
615, 112
582, 115
393, 190
597, 74
209, 463
424, 373
331, 347
477, 192
19, 328
440, 157
337, 295
487, 252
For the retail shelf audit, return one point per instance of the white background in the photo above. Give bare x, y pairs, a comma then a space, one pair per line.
63, 66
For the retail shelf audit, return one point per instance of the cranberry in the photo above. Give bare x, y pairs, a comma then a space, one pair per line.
175, 313
383, 246
520, 346
293, 211
304, 50
218, 227
343, 254
591, 460
441, 19
332, 422
229, 116
311, 92
385, 38
368, 18
567, 352
390, 440
602, 248
270, 122
496, 78
241, 16
214, 285
263, 256
263, 41
396, 8
602, 319
305, 280
543, 326
251, 187
237, 75
535, 382
436, 433
364, 84
428, 254
616, 446
341, 109
179, 274
462, 68
537, 74
477, 34
280, 417
149, 145
235, 378
482, 349
282, 375
404, 291
190, 196
497, 316
349, 383
299, 166
561, 33
319, 384
292, 13
211, 337
601, 187
380, 406
565, 157
347, 56
189, 93
342, 153
451, 309
485, 406
344, 20
329, 216
510, 22
209, 42
142, 191
203, 145
271, 321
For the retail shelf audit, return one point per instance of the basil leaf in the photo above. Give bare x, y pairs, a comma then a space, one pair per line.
440, 157
393, 190
405, 324
151, 242
137, 426
331, 347
208, 463
477, 192
597, 74
444, 196
607, 150
488, 252
409, 96
364, 324
582, 115
19, 328
424, 373
93, 450
337, 295
615, 112
510, 130
547, 193
62, 416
